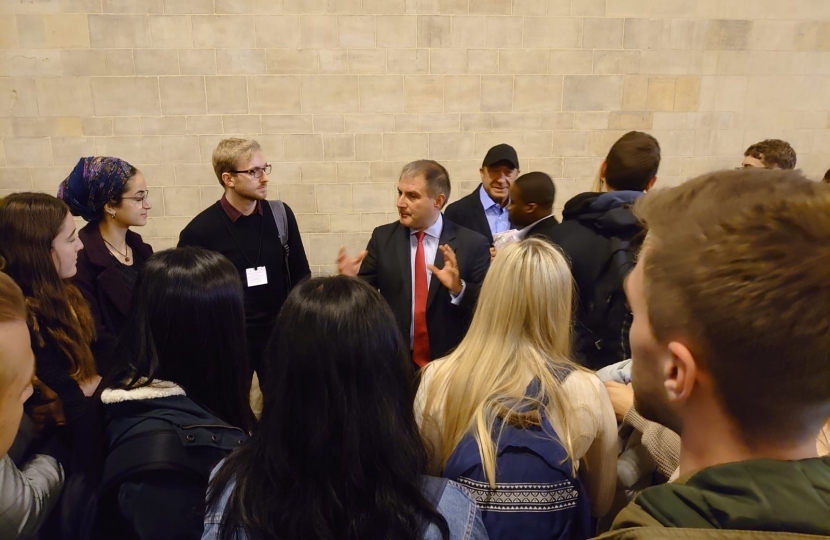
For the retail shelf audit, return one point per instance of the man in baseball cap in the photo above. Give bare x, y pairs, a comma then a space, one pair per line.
485, 209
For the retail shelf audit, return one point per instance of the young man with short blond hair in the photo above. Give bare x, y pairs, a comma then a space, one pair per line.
261, 240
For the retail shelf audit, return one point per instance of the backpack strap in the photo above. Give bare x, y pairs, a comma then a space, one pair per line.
281, 219
158, 450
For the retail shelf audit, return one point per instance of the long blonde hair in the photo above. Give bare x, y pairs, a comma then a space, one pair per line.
520, 332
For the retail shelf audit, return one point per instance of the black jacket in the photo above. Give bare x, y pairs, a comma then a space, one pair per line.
468, 212
101, 282
160, 502
388, 267
589, 221
544, 229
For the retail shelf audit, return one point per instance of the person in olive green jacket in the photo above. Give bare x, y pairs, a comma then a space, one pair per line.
731, 349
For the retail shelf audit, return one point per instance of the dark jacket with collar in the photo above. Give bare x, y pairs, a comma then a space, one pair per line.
468, 212
162, 503
589, 223
755, 499
100, 280
544, 229
388, 267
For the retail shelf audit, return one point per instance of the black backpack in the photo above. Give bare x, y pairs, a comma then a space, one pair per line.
89, 510
601, 332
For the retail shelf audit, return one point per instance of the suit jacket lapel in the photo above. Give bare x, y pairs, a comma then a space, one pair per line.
404, 258
447, 237
482, 217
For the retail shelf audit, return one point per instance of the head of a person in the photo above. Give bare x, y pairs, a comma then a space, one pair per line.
423, 190
240, 167
770, 154
731, 306
109, 189
521, 331
186, 325
39, 240
531, 199
826, 178
39, 249
17, 362
337, 424
632, 163
498, 171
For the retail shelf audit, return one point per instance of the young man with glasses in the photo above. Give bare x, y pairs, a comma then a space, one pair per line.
270, 258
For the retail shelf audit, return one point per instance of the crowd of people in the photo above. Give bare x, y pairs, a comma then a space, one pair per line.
655, 365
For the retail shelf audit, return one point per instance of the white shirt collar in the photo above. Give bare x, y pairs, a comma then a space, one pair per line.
523, 232
433, 230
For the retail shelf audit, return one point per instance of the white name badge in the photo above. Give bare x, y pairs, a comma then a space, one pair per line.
256, 276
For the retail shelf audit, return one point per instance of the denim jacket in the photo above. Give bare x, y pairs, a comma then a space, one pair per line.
462, 515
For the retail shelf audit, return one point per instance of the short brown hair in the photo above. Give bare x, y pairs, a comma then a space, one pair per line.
229, 151
632, 162
773, 153
437, 177
736, 266
12, 303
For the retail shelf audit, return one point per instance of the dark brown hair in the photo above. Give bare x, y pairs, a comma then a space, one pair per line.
632, 162
29, 223
773, 153
736, 267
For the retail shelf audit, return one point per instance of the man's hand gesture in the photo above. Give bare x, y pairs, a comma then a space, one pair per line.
349, 267
449, 276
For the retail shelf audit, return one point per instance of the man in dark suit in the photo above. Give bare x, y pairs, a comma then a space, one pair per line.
531, 205
427, 268
485, 209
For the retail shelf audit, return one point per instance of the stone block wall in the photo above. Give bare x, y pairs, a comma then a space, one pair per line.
341, 93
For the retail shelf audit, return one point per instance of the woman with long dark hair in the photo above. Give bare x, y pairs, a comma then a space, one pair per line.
39, 249
337, 454
112, 196
176, 401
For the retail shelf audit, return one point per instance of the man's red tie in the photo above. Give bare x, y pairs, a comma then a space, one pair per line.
420, 342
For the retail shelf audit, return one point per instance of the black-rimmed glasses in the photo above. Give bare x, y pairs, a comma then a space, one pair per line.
256, 172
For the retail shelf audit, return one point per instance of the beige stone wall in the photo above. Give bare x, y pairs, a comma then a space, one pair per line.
342, 92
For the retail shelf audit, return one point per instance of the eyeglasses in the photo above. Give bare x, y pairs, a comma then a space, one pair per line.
143, 199
256, 172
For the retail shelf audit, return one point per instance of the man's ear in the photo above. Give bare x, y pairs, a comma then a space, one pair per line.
440, 200
650, 183
227, 179
603, 168
681, 373
531, 208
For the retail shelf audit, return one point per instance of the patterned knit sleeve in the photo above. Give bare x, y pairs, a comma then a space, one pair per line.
661, 443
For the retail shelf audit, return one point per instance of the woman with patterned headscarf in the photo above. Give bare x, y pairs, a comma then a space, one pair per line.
111, 195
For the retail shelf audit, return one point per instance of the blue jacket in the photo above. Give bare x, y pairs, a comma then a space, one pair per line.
461, 513
536, 497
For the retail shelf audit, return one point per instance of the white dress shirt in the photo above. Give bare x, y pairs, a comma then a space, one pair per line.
431, 240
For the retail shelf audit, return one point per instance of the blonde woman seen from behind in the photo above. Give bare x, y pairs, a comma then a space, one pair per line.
510, 416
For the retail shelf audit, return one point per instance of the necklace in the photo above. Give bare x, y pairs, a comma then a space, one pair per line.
125, 255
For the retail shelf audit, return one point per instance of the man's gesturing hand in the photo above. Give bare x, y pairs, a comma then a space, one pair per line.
449, 276
347, 266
